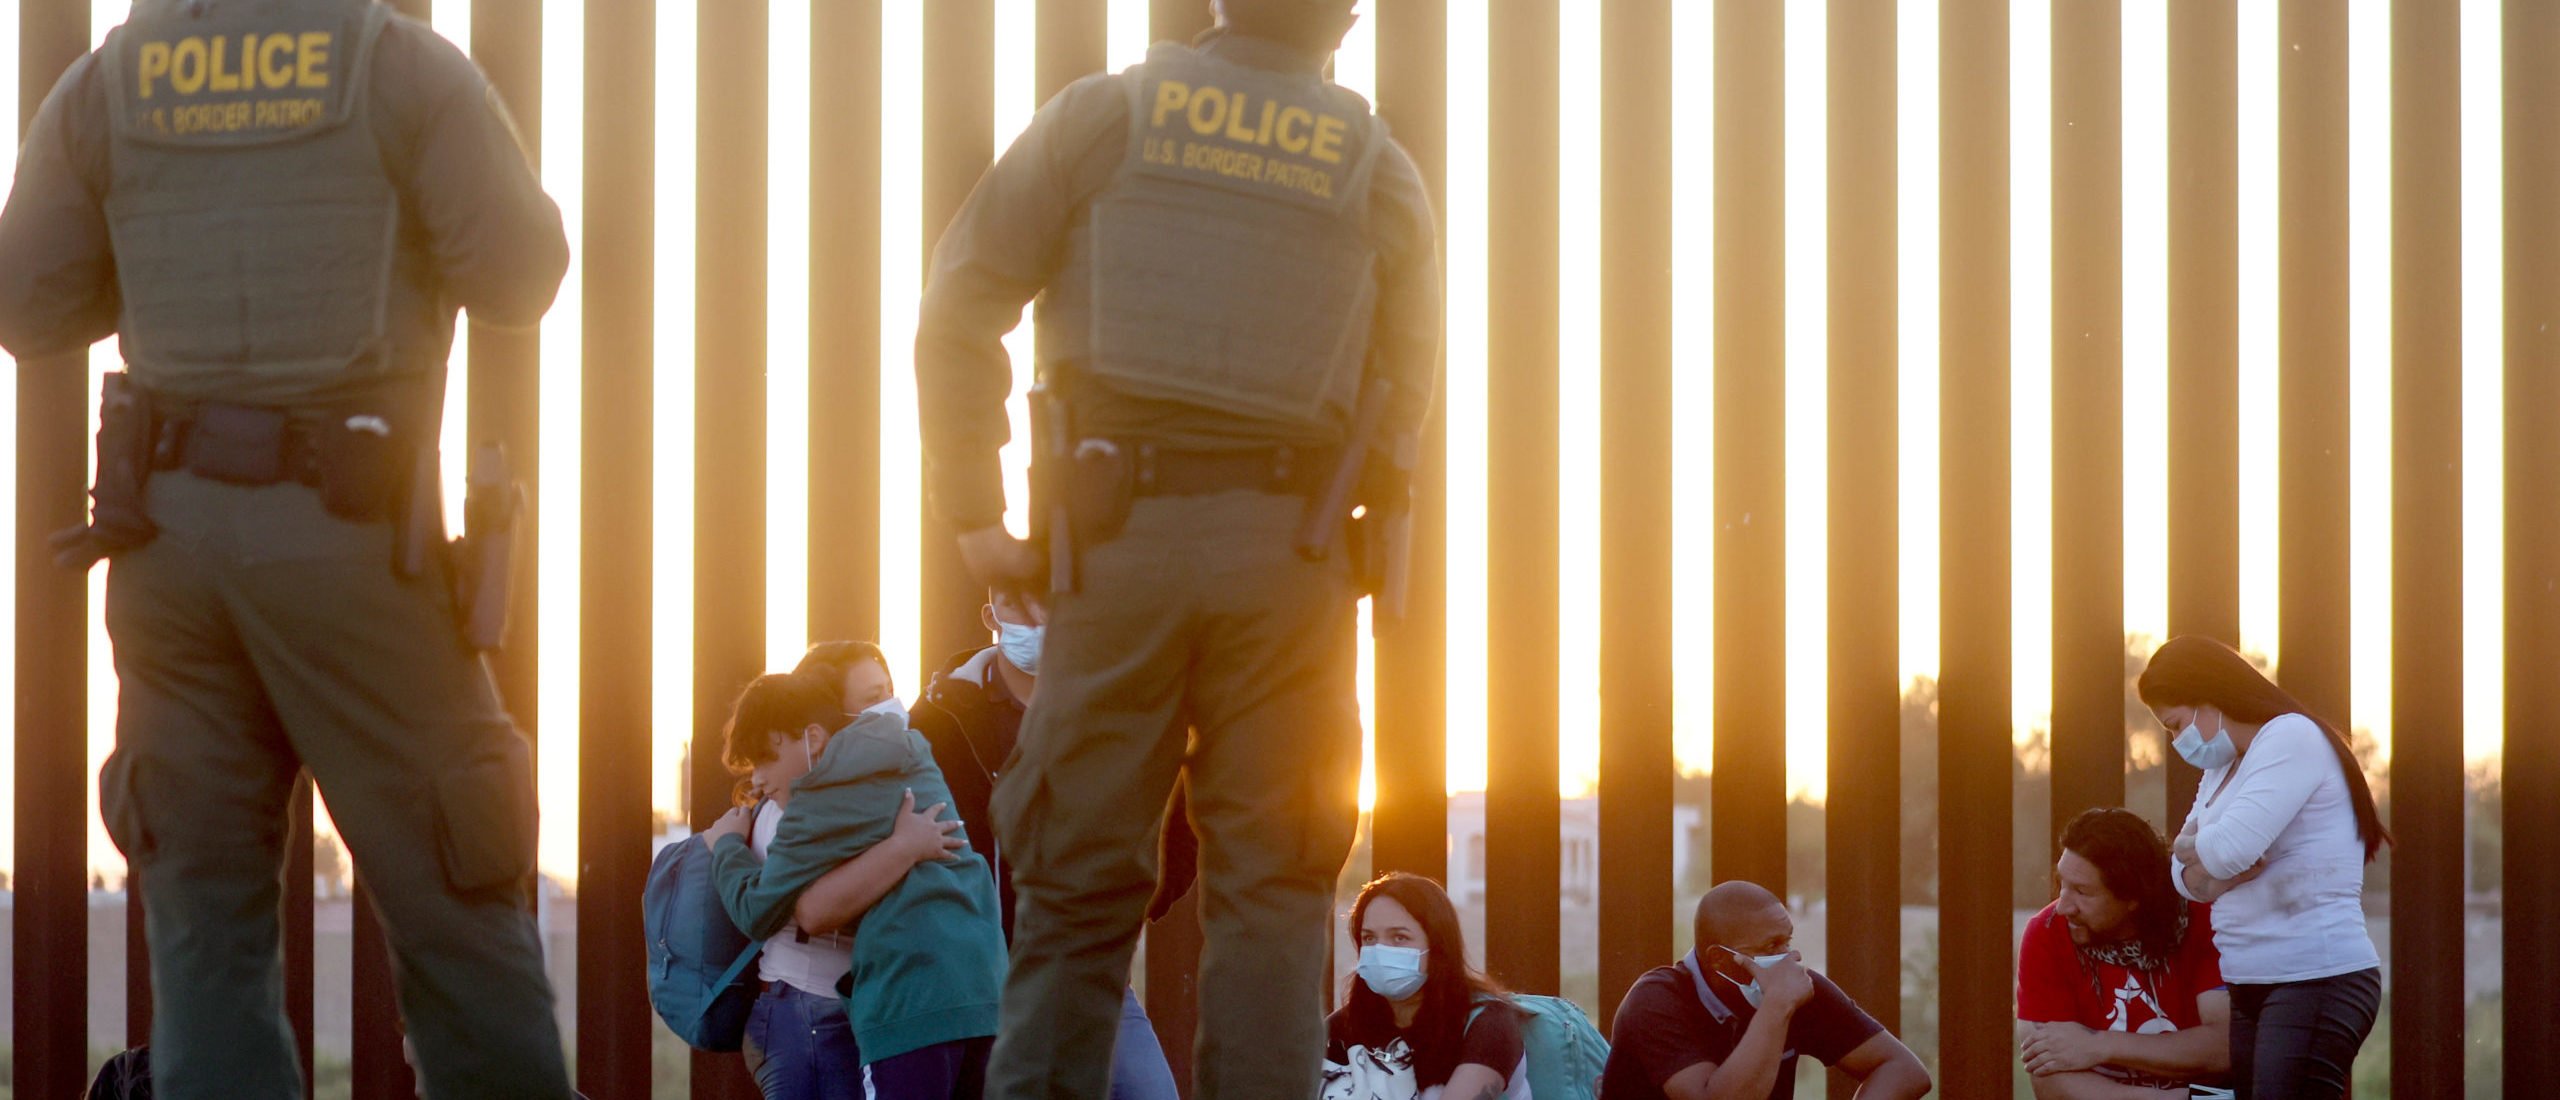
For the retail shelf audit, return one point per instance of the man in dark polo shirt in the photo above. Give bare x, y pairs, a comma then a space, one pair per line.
1728, 1020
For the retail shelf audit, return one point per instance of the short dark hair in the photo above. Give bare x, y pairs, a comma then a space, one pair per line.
1316, 25
831, 660
784, 703
2134, 863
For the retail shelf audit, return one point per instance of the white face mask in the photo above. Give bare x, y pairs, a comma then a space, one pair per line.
1394, 973
2195, 749
1021, 644
1751, 990
890, 705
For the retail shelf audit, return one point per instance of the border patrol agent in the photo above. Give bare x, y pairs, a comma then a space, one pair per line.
1228, 253
278, 205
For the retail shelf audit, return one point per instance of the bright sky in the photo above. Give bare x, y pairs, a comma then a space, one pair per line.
2145, 359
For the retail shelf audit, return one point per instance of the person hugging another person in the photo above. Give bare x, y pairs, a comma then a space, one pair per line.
927, 961
1419, 1023
2120, 991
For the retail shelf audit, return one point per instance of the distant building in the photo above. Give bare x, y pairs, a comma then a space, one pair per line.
1579, 881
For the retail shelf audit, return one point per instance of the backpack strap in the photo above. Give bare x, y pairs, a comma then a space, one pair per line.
737, 967
1485, 1001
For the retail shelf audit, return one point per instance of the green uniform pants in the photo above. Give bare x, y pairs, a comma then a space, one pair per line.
1200, 610
259, 636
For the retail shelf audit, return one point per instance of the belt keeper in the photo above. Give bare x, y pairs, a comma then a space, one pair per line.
1146, 467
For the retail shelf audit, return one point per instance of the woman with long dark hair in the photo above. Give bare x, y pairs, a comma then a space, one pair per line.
2283, 825
1419, 1022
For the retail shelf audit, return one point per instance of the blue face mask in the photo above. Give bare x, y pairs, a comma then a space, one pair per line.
1394, 973
2194, 748
1021, 645
1751, 989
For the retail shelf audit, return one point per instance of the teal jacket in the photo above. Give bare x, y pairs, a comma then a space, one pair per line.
929, 959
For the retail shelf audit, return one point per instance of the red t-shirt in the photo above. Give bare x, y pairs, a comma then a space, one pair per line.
2056, 982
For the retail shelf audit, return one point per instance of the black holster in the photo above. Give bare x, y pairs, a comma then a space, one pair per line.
484, 557
119, 519
1052, 519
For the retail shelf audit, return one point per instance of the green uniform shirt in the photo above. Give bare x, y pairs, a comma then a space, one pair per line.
476, 230
1005, 246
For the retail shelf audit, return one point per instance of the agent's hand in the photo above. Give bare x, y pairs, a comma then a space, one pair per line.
734, 823
919, 836
2061, 1047
1784, 987
999, 560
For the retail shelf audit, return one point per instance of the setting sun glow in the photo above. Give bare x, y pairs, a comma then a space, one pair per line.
2146, 328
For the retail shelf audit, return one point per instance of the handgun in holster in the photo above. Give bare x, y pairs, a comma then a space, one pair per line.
484, 557
1381, 531
1052, 476
118, 517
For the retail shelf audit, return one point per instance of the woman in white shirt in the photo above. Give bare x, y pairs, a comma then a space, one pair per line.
2282, 827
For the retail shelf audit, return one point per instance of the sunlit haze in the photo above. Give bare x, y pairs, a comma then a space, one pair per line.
2146, 344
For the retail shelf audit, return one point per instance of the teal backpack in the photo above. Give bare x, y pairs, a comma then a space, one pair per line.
699, 981
1565, 1052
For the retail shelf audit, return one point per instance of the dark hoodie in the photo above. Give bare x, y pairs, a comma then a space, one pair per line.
971, 721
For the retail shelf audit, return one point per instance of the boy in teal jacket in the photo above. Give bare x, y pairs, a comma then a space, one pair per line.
929, 956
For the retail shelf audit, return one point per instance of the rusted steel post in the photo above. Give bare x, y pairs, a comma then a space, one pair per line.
616, 246
1523, 183
1636, 507
2204, 338
1409, 826
2429, 871
1863, 810
2532, 759
50, 877
1748, 807
1974, 826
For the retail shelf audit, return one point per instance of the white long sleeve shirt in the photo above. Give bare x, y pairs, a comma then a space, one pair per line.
2286, 801
808, 963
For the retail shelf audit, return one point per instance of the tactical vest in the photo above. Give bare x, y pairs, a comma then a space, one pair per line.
1229, 264
255, 228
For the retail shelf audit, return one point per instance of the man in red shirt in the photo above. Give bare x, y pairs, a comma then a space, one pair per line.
2120, 991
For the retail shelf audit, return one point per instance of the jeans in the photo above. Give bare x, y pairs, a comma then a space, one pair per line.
2297, 1040
800, 1047
956, 1070
1138, 1068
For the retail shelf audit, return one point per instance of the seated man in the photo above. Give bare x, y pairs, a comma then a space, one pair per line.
2120, 991
1728, 1020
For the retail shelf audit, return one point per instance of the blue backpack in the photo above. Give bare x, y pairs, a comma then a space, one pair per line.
699, 979
1565, 1052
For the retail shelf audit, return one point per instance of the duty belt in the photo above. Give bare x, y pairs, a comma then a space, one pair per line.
174, 444
1166, 472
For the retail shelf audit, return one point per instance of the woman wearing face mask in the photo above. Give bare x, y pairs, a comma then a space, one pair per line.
2282, 827
1419, 1022
858, 670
